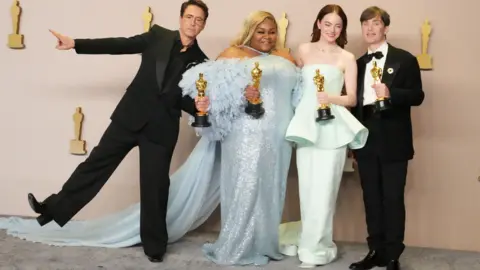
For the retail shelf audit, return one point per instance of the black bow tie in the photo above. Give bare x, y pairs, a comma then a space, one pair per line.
370, 56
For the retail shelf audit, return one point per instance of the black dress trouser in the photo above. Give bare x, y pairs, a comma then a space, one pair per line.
90, 176
383, 184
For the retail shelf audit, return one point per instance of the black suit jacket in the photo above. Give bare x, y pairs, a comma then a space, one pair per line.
146, 103
402, 76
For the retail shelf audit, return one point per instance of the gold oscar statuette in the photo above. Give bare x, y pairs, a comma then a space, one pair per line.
256, 77
376, 73
424, 59
147, 19
77, 145
254, 107
201, 117
282, 32
324, 112
382, 103
15, 39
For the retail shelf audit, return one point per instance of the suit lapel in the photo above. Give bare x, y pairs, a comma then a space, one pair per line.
392, 64
163, 56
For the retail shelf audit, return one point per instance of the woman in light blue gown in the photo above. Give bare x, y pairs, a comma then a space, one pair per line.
255, 156
322, 145
241, 161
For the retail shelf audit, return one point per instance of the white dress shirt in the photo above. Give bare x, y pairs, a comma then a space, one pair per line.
369, 95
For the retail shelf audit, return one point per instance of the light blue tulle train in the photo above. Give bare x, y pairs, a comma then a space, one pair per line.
194, 193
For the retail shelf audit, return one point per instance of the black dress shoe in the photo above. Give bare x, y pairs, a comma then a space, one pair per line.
36, 206
393, 265
155, 259
373, 259
39, 208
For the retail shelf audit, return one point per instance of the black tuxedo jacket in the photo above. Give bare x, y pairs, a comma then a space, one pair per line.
401, 74
148, 102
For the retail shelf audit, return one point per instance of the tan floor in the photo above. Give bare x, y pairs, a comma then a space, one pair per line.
19, 254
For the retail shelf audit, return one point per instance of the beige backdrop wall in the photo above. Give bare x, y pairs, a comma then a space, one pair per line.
40, 88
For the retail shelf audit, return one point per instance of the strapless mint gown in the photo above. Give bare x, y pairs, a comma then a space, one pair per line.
321, 154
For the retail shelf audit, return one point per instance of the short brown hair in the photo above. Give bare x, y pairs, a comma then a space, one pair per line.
198, 3
373, 12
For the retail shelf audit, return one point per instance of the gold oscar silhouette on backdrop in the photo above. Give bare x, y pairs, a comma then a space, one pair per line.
282, 32
77, 145
323, 110
147, 19
15, 39
201, 118
424, 59
382, 103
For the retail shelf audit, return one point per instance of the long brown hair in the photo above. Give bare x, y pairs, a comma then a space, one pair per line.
316, 33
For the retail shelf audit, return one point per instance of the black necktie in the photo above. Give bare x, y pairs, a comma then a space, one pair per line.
370, 56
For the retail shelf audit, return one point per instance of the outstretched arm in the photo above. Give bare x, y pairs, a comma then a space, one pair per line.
116, 45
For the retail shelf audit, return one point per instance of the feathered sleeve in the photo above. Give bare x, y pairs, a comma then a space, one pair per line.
298, 90
226, 82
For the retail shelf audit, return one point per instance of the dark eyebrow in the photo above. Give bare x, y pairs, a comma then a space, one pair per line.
191, 15
332, 23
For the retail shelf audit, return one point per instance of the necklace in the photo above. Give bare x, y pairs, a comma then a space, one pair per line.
325, 50
255, 50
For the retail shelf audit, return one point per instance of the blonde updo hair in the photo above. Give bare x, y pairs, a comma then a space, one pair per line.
250, 24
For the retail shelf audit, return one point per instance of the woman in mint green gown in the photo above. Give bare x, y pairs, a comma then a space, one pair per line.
239, 161
322, 145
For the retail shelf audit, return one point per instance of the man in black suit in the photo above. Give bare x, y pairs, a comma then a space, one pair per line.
147, 116
382, 163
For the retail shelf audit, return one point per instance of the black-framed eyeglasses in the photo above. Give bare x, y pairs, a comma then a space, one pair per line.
197, 20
